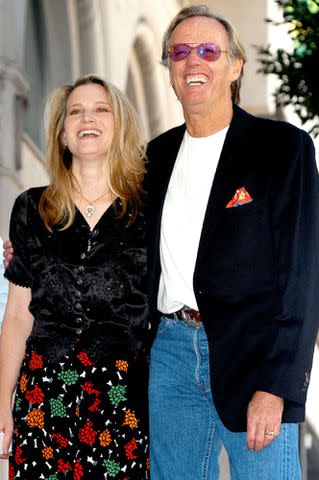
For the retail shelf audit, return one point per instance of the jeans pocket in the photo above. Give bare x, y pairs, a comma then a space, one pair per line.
164, 324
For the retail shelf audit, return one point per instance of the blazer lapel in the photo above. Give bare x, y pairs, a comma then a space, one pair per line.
168, 157
228, 170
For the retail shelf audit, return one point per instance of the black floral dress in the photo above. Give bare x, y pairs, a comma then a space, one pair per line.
80, 410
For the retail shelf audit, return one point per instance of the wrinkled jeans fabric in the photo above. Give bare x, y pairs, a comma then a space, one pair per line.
186, 433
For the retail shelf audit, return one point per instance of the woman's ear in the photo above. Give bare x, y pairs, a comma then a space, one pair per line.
63, 139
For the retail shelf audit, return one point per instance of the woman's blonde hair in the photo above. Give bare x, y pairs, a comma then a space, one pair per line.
125, 158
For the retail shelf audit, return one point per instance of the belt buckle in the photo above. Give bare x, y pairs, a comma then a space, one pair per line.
190, 322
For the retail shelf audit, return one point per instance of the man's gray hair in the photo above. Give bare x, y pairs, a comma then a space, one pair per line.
235, 49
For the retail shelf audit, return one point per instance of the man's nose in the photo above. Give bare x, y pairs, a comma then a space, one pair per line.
193, 58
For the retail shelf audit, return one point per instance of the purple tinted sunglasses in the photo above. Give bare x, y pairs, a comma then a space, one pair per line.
206, 51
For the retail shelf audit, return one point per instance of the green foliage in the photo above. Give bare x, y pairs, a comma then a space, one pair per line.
298, 70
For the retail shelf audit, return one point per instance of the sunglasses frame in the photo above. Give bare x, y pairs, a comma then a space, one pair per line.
197, 47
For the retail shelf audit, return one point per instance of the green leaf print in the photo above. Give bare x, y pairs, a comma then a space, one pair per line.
117, 394
57, 407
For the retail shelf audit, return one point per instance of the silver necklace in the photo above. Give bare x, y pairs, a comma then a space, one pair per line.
90, 207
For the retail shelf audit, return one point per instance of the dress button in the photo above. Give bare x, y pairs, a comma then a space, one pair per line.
78, 294
79, 331
83, 256
78, 306
79, 281
78, 320
95, 232
81, 268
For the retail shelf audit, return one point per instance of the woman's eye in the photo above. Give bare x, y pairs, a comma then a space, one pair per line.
76, 111
102, 109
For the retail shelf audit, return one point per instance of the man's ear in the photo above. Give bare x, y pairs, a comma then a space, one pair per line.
237, 65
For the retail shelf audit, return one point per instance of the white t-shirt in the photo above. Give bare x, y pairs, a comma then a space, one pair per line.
3, 287
182, 219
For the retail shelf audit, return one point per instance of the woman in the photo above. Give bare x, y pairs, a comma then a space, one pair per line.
76, 317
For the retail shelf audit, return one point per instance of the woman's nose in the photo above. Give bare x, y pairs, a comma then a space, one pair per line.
88, 116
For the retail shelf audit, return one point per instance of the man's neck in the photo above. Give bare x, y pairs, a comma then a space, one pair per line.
204, 123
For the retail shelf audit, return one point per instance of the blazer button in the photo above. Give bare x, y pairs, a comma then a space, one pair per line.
78, 320
78, 306
79, 281
79, 331
83, 256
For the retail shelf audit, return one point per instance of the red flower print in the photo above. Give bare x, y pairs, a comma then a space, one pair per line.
84, 358
78, 470
94, 406
35, 396
129, 448
87, 434
36, 361
64, 466
11, 472
88, 387
63, 442
17, 457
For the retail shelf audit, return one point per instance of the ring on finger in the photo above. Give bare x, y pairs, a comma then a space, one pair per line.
270, 433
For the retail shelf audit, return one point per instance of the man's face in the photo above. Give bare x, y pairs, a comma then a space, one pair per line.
199, 83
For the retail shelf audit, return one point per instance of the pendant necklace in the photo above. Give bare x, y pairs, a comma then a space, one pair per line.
90, 207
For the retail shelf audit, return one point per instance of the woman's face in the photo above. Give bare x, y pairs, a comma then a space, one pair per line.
89, 122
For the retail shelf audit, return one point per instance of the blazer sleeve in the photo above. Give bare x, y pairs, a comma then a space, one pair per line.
295, 226
19, 269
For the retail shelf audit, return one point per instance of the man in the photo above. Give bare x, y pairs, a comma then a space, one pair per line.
233, 261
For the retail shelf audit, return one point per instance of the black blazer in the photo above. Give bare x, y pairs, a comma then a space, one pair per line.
256, 278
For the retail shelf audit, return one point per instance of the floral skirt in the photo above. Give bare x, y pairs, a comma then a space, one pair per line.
73, 420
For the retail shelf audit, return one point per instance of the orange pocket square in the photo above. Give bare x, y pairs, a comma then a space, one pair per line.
241, 197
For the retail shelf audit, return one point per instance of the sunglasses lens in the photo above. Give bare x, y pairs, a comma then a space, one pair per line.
209, 52
179, 51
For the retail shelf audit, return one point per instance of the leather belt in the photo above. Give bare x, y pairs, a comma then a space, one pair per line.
191, 317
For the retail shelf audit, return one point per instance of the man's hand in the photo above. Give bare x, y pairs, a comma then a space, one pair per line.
263, 419
7, 253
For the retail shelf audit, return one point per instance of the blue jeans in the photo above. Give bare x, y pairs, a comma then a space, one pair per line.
186, 433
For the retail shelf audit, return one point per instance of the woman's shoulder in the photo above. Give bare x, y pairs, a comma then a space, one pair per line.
26, 203
32, 195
